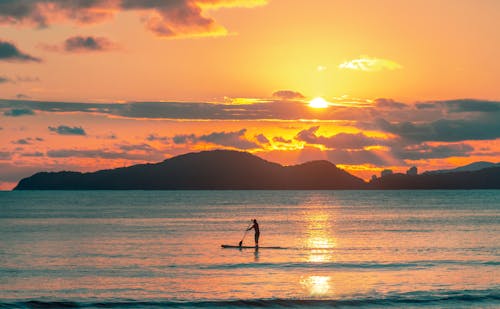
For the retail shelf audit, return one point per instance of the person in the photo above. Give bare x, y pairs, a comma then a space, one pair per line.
255, 226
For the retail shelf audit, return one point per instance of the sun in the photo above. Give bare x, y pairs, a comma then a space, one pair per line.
318, 102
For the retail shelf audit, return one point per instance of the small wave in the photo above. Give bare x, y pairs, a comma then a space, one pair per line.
351, 265
439, 298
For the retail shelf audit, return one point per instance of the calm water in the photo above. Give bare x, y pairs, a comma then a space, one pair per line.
140, 249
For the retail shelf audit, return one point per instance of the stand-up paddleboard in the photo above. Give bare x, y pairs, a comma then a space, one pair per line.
249, 247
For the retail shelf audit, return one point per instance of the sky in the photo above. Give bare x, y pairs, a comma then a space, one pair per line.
368, 85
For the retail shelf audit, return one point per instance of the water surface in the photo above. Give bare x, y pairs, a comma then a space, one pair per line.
147, 249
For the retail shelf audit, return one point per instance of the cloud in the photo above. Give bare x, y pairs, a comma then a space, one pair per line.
17, 112
22, 96
35, 154
21, 141
369, 64
5, 155
136, 147
162, 139
168, 18
339, 141
27, 141
356, 157
9, 52
19, 79
445, 130
5, 80
290, 110
66, 130
389, 104
234, 139
288, 95
261, 138
462, 106
361, 115
279, 139
83, 44
151, 155
426, 151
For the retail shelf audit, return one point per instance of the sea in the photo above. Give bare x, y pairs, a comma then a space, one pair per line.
162, 249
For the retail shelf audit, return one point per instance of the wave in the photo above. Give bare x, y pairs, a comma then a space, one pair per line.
349, 265
484, 298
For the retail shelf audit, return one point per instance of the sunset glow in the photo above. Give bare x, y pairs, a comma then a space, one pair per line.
109, 84
318, 103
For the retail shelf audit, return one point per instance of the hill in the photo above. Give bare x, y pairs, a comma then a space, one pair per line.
476, 166
487, 178
208, 170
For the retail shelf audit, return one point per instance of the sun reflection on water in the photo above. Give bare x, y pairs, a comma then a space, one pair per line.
317, 285
319, 239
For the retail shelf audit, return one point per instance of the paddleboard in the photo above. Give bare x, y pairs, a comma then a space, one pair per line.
250, 247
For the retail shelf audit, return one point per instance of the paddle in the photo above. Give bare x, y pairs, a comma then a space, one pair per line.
245, 234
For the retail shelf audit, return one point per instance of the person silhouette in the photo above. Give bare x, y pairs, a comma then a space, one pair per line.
255, 226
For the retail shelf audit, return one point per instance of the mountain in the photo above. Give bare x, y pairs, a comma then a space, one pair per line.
219, 169
476, 166
487, 178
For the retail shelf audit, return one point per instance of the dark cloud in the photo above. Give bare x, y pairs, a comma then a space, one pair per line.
5, 155
19, 79
9, 52
462, 106
32, 154
17, 112
445, 130
154, 137
339, 141
261, 138
389, 103
356, 157
150, 156
289, 110
426, 105
229, 139
468, 105
168, 18
288, 95
425, 151
5, 80
66, 130
22, 96
136, 147
88, 44
27, 140
412, 125
279, 139
45, 12
22, 141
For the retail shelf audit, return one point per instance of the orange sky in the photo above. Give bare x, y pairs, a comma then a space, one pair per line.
434, 62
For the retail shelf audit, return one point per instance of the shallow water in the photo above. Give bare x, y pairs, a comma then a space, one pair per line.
148, 249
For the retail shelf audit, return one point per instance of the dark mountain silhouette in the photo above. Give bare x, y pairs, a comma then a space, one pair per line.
224, 169
476, 166
487, 178
219, 169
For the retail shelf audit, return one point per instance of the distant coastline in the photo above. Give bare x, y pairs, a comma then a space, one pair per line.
234, 170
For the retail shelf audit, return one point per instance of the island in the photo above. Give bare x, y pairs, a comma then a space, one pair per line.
235, 170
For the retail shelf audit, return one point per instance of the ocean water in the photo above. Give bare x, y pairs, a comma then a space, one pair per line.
157, 249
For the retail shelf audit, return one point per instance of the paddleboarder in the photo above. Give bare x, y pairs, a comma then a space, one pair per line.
255, 226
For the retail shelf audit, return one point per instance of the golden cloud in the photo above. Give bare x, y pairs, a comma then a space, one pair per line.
370, 64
